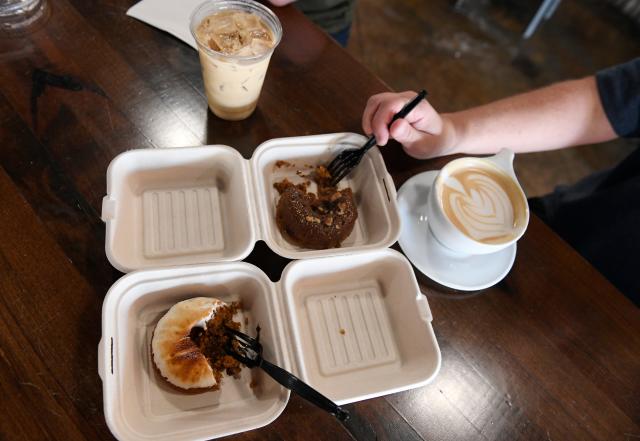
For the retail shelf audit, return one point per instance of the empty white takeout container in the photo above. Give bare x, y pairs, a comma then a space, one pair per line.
168, 207
352, 326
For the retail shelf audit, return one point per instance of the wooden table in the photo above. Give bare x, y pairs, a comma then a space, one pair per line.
551, 353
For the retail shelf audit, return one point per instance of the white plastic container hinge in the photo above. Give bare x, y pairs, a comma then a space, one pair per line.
207, 204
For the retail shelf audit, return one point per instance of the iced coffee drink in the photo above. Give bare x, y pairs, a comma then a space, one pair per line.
235, 42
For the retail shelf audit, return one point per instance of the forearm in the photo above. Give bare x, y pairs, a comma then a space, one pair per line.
281, 2
561, 115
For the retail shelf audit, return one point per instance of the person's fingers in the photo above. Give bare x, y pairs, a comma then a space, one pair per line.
414, 142
424, 117
421, 144
379, 126
389, 106
404, 133
372, 106
380, 109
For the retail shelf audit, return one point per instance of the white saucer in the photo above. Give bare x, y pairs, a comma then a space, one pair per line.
466, 273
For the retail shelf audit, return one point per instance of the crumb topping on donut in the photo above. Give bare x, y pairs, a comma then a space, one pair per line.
316, 221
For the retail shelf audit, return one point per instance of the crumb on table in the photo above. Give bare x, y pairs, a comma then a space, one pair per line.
342, 331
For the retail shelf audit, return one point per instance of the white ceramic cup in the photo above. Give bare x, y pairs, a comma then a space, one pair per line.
451, 236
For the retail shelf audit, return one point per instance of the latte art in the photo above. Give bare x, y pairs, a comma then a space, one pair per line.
483, 204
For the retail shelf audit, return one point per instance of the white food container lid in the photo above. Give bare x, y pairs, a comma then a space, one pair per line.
352, 326
167, 207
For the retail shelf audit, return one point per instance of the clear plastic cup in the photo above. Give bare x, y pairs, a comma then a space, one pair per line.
233, 82
21, 16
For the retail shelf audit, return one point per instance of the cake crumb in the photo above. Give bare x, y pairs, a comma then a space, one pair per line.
280, 163
342, 331
323, 173
213, 341
253, 384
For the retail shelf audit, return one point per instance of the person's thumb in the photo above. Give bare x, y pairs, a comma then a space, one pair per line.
405, 133
419, 143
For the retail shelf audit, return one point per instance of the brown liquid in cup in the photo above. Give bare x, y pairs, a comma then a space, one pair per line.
483, 203
233, 85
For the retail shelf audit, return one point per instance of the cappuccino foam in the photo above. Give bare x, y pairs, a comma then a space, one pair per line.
483, 203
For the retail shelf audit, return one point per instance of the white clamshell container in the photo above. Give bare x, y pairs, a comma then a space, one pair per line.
349, 321
352, 326
168, 207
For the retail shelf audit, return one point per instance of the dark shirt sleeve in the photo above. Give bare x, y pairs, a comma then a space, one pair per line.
619, 89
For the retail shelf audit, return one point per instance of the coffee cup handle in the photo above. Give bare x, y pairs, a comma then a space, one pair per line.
504, 160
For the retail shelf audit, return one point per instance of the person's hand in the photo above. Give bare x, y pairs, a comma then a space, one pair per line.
423, 133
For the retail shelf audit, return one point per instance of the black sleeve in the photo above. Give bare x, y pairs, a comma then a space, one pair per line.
619, 89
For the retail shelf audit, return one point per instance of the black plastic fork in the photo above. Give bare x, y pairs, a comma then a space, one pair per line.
347, 160
248, 350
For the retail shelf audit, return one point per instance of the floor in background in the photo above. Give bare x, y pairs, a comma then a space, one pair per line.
471, 52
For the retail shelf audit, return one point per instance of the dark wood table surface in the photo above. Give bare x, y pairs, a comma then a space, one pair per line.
550, 353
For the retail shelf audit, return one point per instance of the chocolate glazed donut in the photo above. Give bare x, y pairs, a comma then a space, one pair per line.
316, 222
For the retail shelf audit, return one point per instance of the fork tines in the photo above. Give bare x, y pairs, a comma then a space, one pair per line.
347, 160
247, 350
342, 165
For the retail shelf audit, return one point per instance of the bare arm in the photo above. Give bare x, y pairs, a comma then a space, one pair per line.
281, 2
562, 115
